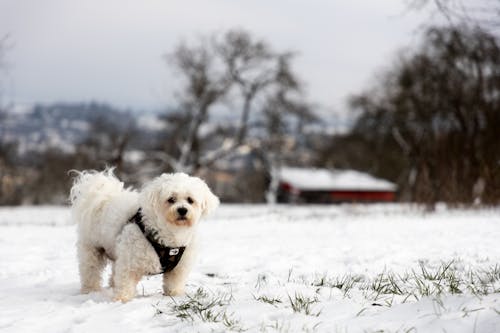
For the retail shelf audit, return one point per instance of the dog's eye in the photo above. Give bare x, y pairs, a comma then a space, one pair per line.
171, 200
190, 200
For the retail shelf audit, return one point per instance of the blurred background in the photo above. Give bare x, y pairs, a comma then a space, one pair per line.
288, 101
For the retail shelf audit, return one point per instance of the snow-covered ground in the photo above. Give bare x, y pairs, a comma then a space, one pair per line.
347, 268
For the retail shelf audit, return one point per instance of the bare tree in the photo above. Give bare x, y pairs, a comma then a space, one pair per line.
435, 117
280, 110
252, 66
233, 69
105, 144
8, 182
206, 83
3, 74
483, 13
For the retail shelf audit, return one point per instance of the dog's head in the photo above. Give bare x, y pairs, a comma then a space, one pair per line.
178, 199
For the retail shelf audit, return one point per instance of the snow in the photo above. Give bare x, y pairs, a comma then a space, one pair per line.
250, 252
150, 122
134, 156
323, 179
21, 109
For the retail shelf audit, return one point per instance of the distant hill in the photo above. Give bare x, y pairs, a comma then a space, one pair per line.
63, 125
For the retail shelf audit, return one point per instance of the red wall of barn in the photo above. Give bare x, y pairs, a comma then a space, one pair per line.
362, 196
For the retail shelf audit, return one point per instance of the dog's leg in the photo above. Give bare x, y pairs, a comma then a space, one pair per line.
91, 264
175, 280
125, 281
111, 281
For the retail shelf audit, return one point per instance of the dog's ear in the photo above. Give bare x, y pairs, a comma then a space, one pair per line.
209, 201
152, 193
149, 197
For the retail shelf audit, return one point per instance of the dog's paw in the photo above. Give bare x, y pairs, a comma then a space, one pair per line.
88, 290
121, 298
174, 292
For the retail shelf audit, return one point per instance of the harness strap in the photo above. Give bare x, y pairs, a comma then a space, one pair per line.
169, 256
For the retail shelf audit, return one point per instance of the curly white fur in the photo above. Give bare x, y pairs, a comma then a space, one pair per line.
102, 207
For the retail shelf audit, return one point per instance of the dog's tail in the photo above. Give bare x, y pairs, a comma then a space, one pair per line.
91, 190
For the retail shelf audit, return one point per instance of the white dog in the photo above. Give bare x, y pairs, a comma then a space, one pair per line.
148, 232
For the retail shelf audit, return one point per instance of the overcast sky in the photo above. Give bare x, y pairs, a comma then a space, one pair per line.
111, 50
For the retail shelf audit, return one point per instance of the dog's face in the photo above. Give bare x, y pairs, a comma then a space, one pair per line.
178, 199
181, 209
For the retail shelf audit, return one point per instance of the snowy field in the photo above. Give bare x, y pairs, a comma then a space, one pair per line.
347, 268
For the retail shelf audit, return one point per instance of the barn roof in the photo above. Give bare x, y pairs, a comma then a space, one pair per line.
325, 180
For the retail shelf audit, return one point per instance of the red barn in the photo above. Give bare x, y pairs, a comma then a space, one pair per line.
303, 185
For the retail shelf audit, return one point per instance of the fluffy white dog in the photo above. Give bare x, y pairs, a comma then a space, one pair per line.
142, 233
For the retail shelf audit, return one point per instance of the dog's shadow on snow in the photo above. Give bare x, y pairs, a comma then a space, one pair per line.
105, 295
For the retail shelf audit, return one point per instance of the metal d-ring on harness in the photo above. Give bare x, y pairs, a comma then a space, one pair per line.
169, 256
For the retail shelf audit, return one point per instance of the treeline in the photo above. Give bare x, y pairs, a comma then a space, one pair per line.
239, 112
431, 122
428, 124
35, 165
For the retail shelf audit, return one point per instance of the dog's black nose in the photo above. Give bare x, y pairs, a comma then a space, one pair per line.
182, 211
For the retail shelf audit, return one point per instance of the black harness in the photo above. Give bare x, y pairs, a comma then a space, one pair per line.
169, 256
